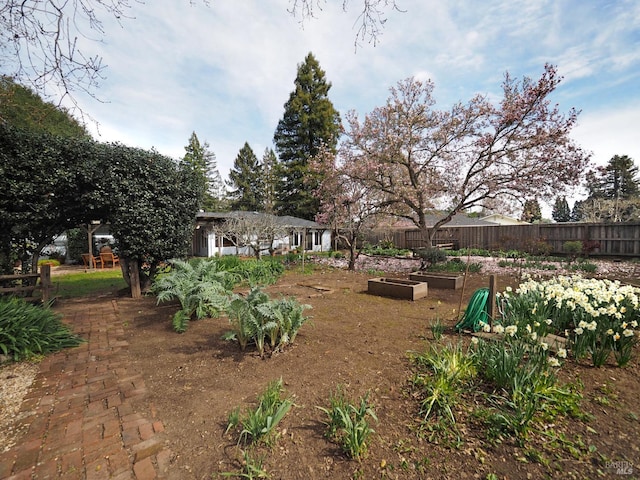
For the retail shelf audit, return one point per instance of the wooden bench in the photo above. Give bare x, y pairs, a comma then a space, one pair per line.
281, 250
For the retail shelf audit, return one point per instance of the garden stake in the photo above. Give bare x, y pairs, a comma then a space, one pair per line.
464, 283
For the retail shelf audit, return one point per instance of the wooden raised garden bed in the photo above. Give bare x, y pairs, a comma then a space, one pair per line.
398, 288
439, 280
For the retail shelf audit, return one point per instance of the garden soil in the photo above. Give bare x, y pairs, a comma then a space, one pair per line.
361, 342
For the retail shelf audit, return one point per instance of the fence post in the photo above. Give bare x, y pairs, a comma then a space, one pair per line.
45, 282
493, 287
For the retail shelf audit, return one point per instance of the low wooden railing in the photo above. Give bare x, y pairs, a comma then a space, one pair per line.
26, 285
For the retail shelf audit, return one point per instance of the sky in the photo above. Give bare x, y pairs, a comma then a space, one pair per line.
226, 70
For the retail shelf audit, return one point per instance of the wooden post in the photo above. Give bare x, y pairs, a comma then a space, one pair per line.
134, 279
91, 228
303, 244
493, 288
45, 282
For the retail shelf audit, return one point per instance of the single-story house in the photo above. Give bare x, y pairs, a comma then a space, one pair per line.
211, 239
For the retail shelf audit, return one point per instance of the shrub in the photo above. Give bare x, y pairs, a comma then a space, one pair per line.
537, 247
430, 257
455, 266
49, 261
572, 248
27, 330
590, 246
478, 252
586, 267
257, 272
385, 249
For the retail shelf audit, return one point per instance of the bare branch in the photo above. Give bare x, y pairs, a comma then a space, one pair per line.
39, 43
369, 24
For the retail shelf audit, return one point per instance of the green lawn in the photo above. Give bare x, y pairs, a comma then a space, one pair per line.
82, 284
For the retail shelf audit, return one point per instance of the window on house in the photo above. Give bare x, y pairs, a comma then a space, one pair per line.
317, 238
227, 242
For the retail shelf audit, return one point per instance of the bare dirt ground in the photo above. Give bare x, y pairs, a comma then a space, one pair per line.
360, 341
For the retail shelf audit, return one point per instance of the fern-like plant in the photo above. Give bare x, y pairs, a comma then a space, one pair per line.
255, 318
201, 287
285, 316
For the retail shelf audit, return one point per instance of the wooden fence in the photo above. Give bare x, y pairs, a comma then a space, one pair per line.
607, 239
25, 285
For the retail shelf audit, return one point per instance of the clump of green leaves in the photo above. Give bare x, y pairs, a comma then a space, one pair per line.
442, 373
201, 287
437, 329
258, 319
430, 257
387, 249
258, 272
260, 424
27, 330
572, 249
454, 266
252, 467
524, 388
204, 286
348, 424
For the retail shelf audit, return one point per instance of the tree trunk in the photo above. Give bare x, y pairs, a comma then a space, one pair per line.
353, 254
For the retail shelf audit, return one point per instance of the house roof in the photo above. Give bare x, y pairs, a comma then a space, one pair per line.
285, 220
459, 220
503, 219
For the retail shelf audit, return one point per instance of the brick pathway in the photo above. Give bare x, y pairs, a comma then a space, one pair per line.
79, 411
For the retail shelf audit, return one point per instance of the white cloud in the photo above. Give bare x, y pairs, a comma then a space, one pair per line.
226, 71
610, 132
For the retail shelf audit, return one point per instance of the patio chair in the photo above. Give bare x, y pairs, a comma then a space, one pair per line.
86, 258
109, 258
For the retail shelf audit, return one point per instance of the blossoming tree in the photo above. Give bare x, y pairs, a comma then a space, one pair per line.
419, 160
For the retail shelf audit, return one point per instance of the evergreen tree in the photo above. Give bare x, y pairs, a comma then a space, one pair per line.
577, 213
531, 212
310, 122
561, 211
618, 180
245, 179
203, 161
269, 176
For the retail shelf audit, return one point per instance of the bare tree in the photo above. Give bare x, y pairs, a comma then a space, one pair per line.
596, 210
258, 231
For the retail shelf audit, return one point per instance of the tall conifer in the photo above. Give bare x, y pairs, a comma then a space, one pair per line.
310, 122
245, 180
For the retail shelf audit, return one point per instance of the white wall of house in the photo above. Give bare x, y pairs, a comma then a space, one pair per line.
316, 241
